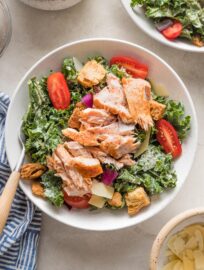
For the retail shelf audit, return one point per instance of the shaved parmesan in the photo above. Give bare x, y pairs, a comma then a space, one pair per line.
188, 264
199, 260
159, 89
78, 65
100, 189
170, 265
178, 266
97, 201
186, 249
144, 145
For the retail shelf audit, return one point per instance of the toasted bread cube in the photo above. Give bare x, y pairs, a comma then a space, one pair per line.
116, 200
198, 41
136, 200
91, 74
37, 189
157, 110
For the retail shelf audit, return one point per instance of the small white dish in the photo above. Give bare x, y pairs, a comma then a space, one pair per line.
145, 24
51, 4
176, 224
102, 220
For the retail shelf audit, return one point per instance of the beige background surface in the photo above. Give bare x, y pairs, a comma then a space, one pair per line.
37, 32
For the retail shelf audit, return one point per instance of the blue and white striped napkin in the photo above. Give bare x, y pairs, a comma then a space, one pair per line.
19, 241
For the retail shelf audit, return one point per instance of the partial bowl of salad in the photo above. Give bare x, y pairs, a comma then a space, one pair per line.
110, 134
178, 24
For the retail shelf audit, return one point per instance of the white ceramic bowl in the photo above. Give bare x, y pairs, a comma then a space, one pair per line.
51, 4
146, 25
187, 218
160, 72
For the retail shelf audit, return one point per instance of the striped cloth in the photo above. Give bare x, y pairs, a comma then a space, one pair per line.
19, 241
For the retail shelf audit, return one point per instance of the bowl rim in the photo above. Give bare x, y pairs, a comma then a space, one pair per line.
194, 115
133, 16
166, 230
8, 19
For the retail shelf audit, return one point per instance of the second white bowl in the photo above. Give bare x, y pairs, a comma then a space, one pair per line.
146, 25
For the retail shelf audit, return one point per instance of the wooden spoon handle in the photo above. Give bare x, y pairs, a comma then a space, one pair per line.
7, 197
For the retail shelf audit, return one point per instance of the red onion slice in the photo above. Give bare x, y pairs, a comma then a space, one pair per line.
87, 100
163, 25
109, 176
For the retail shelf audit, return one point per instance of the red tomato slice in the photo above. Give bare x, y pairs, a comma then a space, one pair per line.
168, 138
132, 66
58, 91
77, 202
173, 31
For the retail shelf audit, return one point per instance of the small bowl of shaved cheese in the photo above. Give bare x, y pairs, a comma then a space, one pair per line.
180, 243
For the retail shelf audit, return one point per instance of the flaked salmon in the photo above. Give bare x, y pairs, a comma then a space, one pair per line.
118, 146
77, 150
73, 180
97, 117
138, 95
114, 128
104, 158
84, 137
87, 167
74, 120
126, 160
112, 99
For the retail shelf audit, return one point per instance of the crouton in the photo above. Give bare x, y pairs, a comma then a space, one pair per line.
157, 110
37, 189
198, 41
91, 74
136, 200
30, 171
116, 200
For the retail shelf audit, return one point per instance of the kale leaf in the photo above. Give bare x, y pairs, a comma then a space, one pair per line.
53, 188
42, 123
153, 171
175, 114
189, 12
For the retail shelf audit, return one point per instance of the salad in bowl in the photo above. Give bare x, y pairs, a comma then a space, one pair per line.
99, 134
176, 19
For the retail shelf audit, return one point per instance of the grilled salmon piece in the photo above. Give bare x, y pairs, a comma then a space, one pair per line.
50, 163
76, 149
112, 99
87, 167
91, 74
104, 158
75, 184
84, 137
96, 117
118, 146
66, 159
74, 120
58, 164
114, 128
138, 94
127, 161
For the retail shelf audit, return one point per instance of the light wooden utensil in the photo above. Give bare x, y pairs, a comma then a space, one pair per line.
9, 191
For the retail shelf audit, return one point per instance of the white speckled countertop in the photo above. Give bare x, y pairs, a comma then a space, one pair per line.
37, 32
